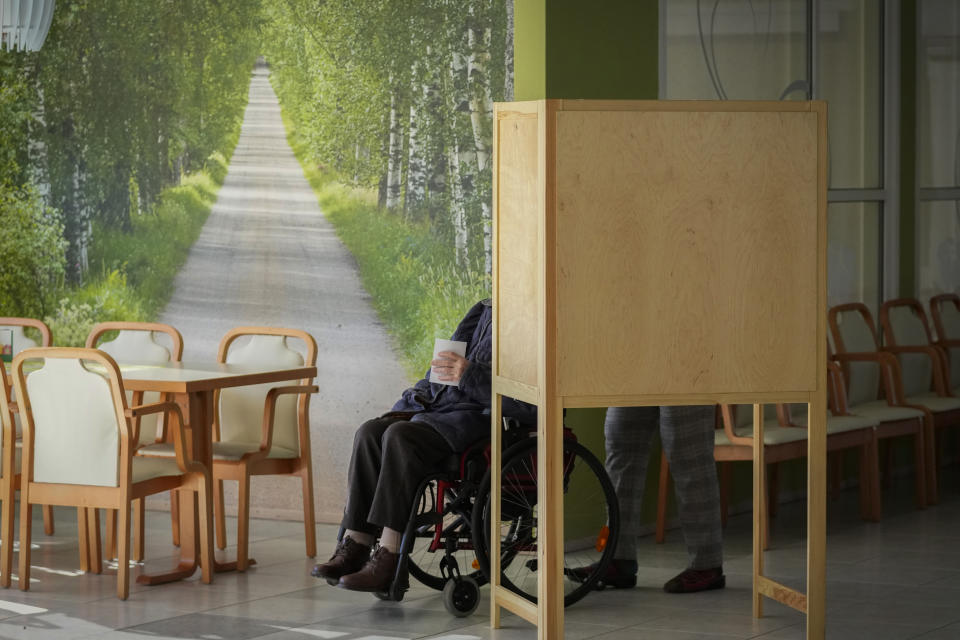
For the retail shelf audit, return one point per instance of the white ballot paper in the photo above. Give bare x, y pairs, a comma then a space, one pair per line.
456, 346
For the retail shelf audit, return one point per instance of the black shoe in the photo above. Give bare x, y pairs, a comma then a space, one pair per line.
376, 575
349, 557
693, 580
620, 574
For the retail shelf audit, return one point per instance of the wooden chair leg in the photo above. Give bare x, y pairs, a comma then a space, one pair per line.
835, 462
220, 519
6, 531
309, 517
26, 519
48, 528
873, 460
111, 526
929, 441
205, 510
139, 527
919, 463
243, 522
888, 467
662, 486
175, 517
93, 537
123, 552
83, 539
724, 493
765, 524
773, 489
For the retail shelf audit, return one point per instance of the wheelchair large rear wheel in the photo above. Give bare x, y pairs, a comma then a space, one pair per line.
427, 558
590, 513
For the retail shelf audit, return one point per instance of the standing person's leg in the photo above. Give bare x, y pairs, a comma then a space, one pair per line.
687, 433
353, 550
628, 433
411, 451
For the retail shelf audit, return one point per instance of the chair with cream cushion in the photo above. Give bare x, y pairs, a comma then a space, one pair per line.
917, 388
945, 309
23, 341
262, 429
78, 449
136, 342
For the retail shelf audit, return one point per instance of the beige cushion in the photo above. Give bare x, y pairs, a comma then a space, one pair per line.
147, 468
76, 440
880, 411
844, 424
241, 408
933, 402
221, 450
139, 346
773, 433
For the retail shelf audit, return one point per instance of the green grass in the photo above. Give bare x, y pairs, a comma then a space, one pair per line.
131, 273
417, 291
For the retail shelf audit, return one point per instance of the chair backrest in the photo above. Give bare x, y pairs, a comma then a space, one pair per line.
240, 409
905, 324
20, 339
945, 309
74, 427
854, 332
136, 342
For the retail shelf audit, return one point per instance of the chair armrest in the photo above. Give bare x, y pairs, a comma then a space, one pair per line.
269, 411
726, 410
179, 441
889, 368
838, 404
936, 364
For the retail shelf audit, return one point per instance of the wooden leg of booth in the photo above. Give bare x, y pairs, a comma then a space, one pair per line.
550, 534
817, 517
759, 508
496, 464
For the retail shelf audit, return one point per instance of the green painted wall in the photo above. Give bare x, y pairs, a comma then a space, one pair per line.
585, 50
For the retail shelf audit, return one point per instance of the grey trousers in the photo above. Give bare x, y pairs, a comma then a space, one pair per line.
390, 459
687, 436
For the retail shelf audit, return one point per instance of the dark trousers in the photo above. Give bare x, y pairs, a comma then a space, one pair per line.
390, 459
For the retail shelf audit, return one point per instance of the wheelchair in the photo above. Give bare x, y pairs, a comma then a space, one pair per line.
445, 544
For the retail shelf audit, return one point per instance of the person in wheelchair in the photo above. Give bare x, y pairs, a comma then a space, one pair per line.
394, 452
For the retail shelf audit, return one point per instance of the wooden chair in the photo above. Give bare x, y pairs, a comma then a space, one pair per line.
135, 342
9, 475
945, 309
20, 342
261, 429
904, 326
78, 450
857, 345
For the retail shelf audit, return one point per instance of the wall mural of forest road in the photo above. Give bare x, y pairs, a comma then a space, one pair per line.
345, 189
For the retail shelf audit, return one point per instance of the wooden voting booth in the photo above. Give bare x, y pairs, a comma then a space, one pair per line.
659, 253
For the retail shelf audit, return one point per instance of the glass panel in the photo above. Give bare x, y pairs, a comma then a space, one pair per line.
938, 248
853, 254
850, 61
736, 50
938, 86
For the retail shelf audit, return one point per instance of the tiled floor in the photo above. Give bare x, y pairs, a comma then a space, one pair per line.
888, 581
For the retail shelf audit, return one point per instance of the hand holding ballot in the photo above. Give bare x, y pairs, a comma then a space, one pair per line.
448, 362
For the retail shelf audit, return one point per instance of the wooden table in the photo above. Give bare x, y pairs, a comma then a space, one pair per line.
192, 386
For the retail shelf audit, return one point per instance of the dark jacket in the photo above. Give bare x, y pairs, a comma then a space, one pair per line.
461, 413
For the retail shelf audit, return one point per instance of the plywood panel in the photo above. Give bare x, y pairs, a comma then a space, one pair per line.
517, 212
687, 252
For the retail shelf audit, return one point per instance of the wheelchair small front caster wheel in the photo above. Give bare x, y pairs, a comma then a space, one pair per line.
382, 595
461, 597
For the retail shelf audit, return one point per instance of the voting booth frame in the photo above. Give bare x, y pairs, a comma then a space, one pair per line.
659, 253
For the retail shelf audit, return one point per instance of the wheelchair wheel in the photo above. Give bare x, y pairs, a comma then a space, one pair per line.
461, 597
427, 559
591, 520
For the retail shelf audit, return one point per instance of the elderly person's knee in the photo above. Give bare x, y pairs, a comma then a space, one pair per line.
370, 432
399, 436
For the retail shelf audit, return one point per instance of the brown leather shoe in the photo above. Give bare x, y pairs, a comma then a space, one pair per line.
349, 556
376, 575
